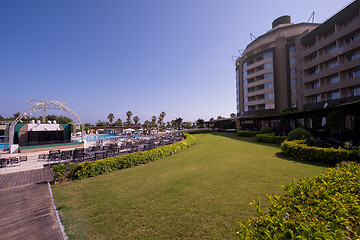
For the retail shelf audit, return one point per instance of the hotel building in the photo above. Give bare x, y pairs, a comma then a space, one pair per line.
303, 66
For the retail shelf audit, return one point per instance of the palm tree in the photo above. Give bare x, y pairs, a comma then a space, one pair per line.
146, 124
200, 123
136, 120
178, 121
153, 121
232, 115
128, 114
118, 122
111, 118
161, 118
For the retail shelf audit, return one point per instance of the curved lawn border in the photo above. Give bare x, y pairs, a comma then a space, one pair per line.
99, 167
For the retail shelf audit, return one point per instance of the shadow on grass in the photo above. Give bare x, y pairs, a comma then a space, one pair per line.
282, 156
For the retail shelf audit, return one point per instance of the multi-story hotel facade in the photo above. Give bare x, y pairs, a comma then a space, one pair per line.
302, 67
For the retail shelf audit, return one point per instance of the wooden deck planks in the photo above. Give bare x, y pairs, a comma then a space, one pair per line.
26, 177
27, 213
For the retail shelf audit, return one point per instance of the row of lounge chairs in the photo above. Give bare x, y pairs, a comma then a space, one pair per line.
6, 162
113, 148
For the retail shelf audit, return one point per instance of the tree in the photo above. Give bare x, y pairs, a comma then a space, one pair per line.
232, 115
161, 118
212, 119
178, 122
200, 123
219, 117
128, 114
100, 123
153, 121
111, 118
146, 124
118, 122
136, 120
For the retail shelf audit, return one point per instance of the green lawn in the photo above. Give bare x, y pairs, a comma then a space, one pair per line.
198, 193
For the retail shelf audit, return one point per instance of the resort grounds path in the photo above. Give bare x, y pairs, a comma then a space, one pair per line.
26, 208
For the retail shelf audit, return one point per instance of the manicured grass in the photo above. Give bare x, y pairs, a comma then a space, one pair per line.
198, 193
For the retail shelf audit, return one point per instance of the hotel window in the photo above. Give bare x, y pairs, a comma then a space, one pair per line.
268, 55
334, 95
353, 56
244, 65
291, 49
268, 85
269, 95
333, 79
331, 48
292, 60
355, 91
268, 65
245, 90
268, 75
294, 104
332, 64
292, 71
269, 106
352, 38
293, 82
315, 84
356, 73
315, 98
246, 99
293, 93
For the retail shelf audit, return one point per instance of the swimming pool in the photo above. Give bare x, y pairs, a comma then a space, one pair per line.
4, 145
104, 137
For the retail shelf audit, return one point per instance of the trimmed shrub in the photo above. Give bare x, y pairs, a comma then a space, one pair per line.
299, 150
95, 168
265, 130
325, 207
202, 131
270, 138
59, 172
299, 134
245, 133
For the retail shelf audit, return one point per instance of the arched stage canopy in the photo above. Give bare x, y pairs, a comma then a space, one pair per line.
43, 105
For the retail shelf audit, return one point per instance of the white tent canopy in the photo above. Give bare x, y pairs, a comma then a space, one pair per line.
129, 130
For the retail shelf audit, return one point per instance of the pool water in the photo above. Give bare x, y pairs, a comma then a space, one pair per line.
104, 137
4, 145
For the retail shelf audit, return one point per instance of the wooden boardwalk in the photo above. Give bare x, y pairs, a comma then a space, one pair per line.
26, 177
26, 212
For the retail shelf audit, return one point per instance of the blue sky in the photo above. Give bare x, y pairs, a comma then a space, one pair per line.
144, 56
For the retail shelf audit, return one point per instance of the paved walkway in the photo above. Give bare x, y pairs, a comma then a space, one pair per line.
27, 213
26, 210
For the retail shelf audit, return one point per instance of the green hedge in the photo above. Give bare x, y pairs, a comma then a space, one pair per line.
297, 149
270, 138
266, 130
245, 133
325, 207
95, 168
202, 131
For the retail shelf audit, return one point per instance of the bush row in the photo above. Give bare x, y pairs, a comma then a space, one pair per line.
299, 150
325, 207
202, 131
245, 133
95, 168
270, 138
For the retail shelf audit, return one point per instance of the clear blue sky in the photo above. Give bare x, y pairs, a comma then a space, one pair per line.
146, 56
